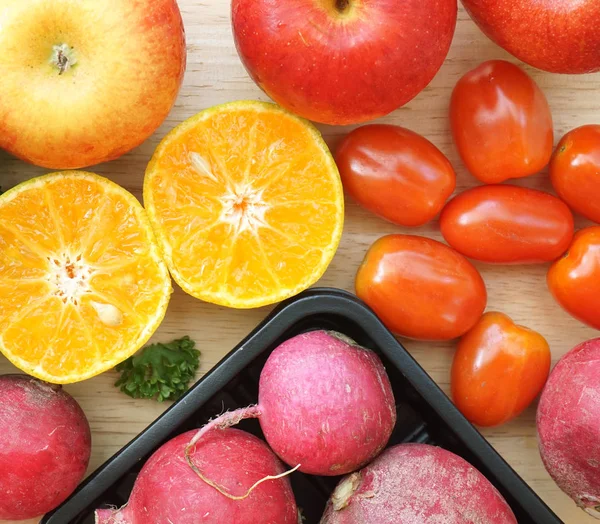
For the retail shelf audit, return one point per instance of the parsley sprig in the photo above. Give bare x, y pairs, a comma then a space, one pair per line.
160, 371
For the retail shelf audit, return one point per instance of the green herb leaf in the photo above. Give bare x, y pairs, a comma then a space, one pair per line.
160, 371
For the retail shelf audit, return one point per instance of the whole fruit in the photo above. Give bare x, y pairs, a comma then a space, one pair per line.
343, 61
498, 369
575, 170
86, 82
173, 486
505, 224
395, 173
417, 484
568, 429
574, 279
559, 36
501, 123
326, 403
45, 446
421, 288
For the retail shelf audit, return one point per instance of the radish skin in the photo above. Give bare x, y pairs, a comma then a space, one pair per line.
45, 446
568, 427
415, 484
169, 490
325, 404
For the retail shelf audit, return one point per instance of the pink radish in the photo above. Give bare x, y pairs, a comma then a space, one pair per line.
568, 426
44, 446
414, 484
325, 404
227, 476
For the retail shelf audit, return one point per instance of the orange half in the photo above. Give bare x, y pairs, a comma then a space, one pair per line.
247, 204
82, 283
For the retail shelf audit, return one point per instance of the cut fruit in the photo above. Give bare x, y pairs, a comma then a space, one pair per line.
82, 283
247, 204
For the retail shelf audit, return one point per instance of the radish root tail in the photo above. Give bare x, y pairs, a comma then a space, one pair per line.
226, 493
224, 421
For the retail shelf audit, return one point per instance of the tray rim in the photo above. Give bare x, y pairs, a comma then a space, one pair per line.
325, 301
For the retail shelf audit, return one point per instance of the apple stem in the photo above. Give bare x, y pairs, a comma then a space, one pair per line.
342, 5
63, 57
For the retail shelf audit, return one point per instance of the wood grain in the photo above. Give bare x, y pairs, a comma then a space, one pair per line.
215, 75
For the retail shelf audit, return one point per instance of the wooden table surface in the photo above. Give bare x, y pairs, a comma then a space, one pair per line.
215, 75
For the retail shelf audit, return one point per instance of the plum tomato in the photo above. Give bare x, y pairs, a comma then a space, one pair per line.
421, 288
574, 279
501, 123
575, 171
506, 224
395, 173
498, 370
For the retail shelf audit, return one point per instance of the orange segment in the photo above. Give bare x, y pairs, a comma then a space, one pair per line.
126, 241
76, 220
25, 222
34, 333
82, 283
212, 262
132, 287
247, 204
64, 350
19, 260
19, 297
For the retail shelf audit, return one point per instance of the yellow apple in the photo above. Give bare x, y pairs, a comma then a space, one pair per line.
85, 81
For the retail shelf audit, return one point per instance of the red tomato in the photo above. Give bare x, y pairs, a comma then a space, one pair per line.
575, 171
507, 225
498, 370
395, 173
501, 123
421, 288
574, 280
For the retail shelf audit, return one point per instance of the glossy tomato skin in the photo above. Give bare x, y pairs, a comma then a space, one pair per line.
395, 173
574, 280
421, 288
575, 170
501, 123
504, 224
498, 370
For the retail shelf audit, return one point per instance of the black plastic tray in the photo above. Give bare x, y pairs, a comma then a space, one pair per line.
425, 414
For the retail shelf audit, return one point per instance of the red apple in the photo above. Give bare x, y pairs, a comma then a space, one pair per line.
560, 36
343, 61
85, 82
